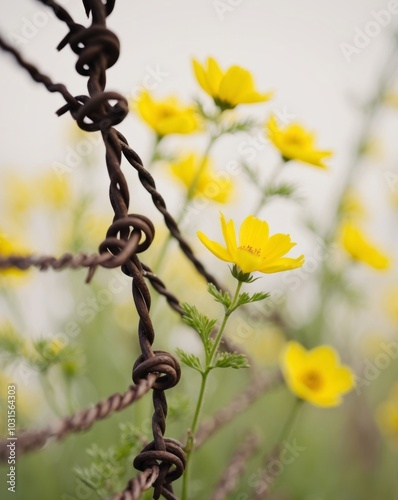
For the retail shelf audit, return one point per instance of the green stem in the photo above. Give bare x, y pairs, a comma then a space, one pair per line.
264, 198
317, 323
199, 404
154, 155
188, 198
276, 450
290, 421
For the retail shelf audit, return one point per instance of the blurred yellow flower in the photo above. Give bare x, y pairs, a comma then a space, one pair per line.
361, 249
266, 345
257, 251
53, 190
208, 183
353, 207
296, 143
387, 415
391, 304
167, 116
9, 247
316, 375
17, 193
22, 194
230, 88
391, 99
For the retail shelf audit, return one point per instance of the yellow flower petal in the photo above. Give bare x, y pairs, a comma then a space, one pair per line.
230, 88
294, 142
214, 247
360, 248
208, 184
166, 116
253, 232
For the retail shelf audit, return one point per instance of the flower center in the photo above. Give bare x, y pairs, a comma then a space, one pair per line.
165, 112
312, 379
250, 249
295, 139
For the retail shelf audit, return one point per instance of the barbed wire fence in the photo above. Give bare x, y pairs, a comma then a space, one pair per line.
162, 460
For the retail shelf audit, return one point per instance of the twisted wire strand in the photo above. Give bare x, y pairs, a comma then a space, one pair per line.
137, 485
80, 421
236, 467
149, 184
39, 77
98, 49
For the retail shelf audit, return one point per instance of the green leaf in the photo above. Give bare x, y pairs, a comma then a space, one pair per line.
283, 190
252, 175
200, 322
245, 125
231, 360
241, 276
220, 296
245, 298
190, 360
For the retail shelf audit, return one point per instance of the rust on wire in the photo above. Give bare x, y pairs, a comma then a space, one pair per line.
162, 461
81, 421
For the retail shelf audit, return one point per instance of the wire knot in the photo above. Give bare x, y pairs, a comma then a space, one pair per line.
173, 460
161, 362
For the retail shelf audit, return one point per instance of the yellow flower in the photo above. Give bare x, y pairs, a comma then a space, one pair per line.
391, 304
230, 88
296, 143
167, 116
387, 415
257, 251
356, 243
208, 184
11, 247
17, 193
316, 375
353, 207
53, 190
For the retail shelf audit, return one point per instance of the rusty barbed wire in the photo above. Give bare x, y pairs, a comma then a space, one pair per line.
80, 421
138, 484
236, 467
161, 461
97, 49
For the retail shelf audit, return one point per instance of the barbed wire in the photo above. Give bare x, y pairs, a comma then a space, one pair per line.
81, 421
97, 49
162, 460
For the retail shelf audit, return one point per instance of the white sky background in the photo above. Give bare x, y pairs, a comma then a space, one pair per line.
292, 46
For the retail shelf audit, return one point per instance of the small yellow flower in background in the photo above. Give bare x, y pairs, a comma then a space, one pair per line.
316, 375
257, 250
22, 194
352, 206
387, 415
230, 88
9, 247
391, 304
53, 190
361, 249
17, 193
208, 184
294, 142
265, 345
167, 116
391, 99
